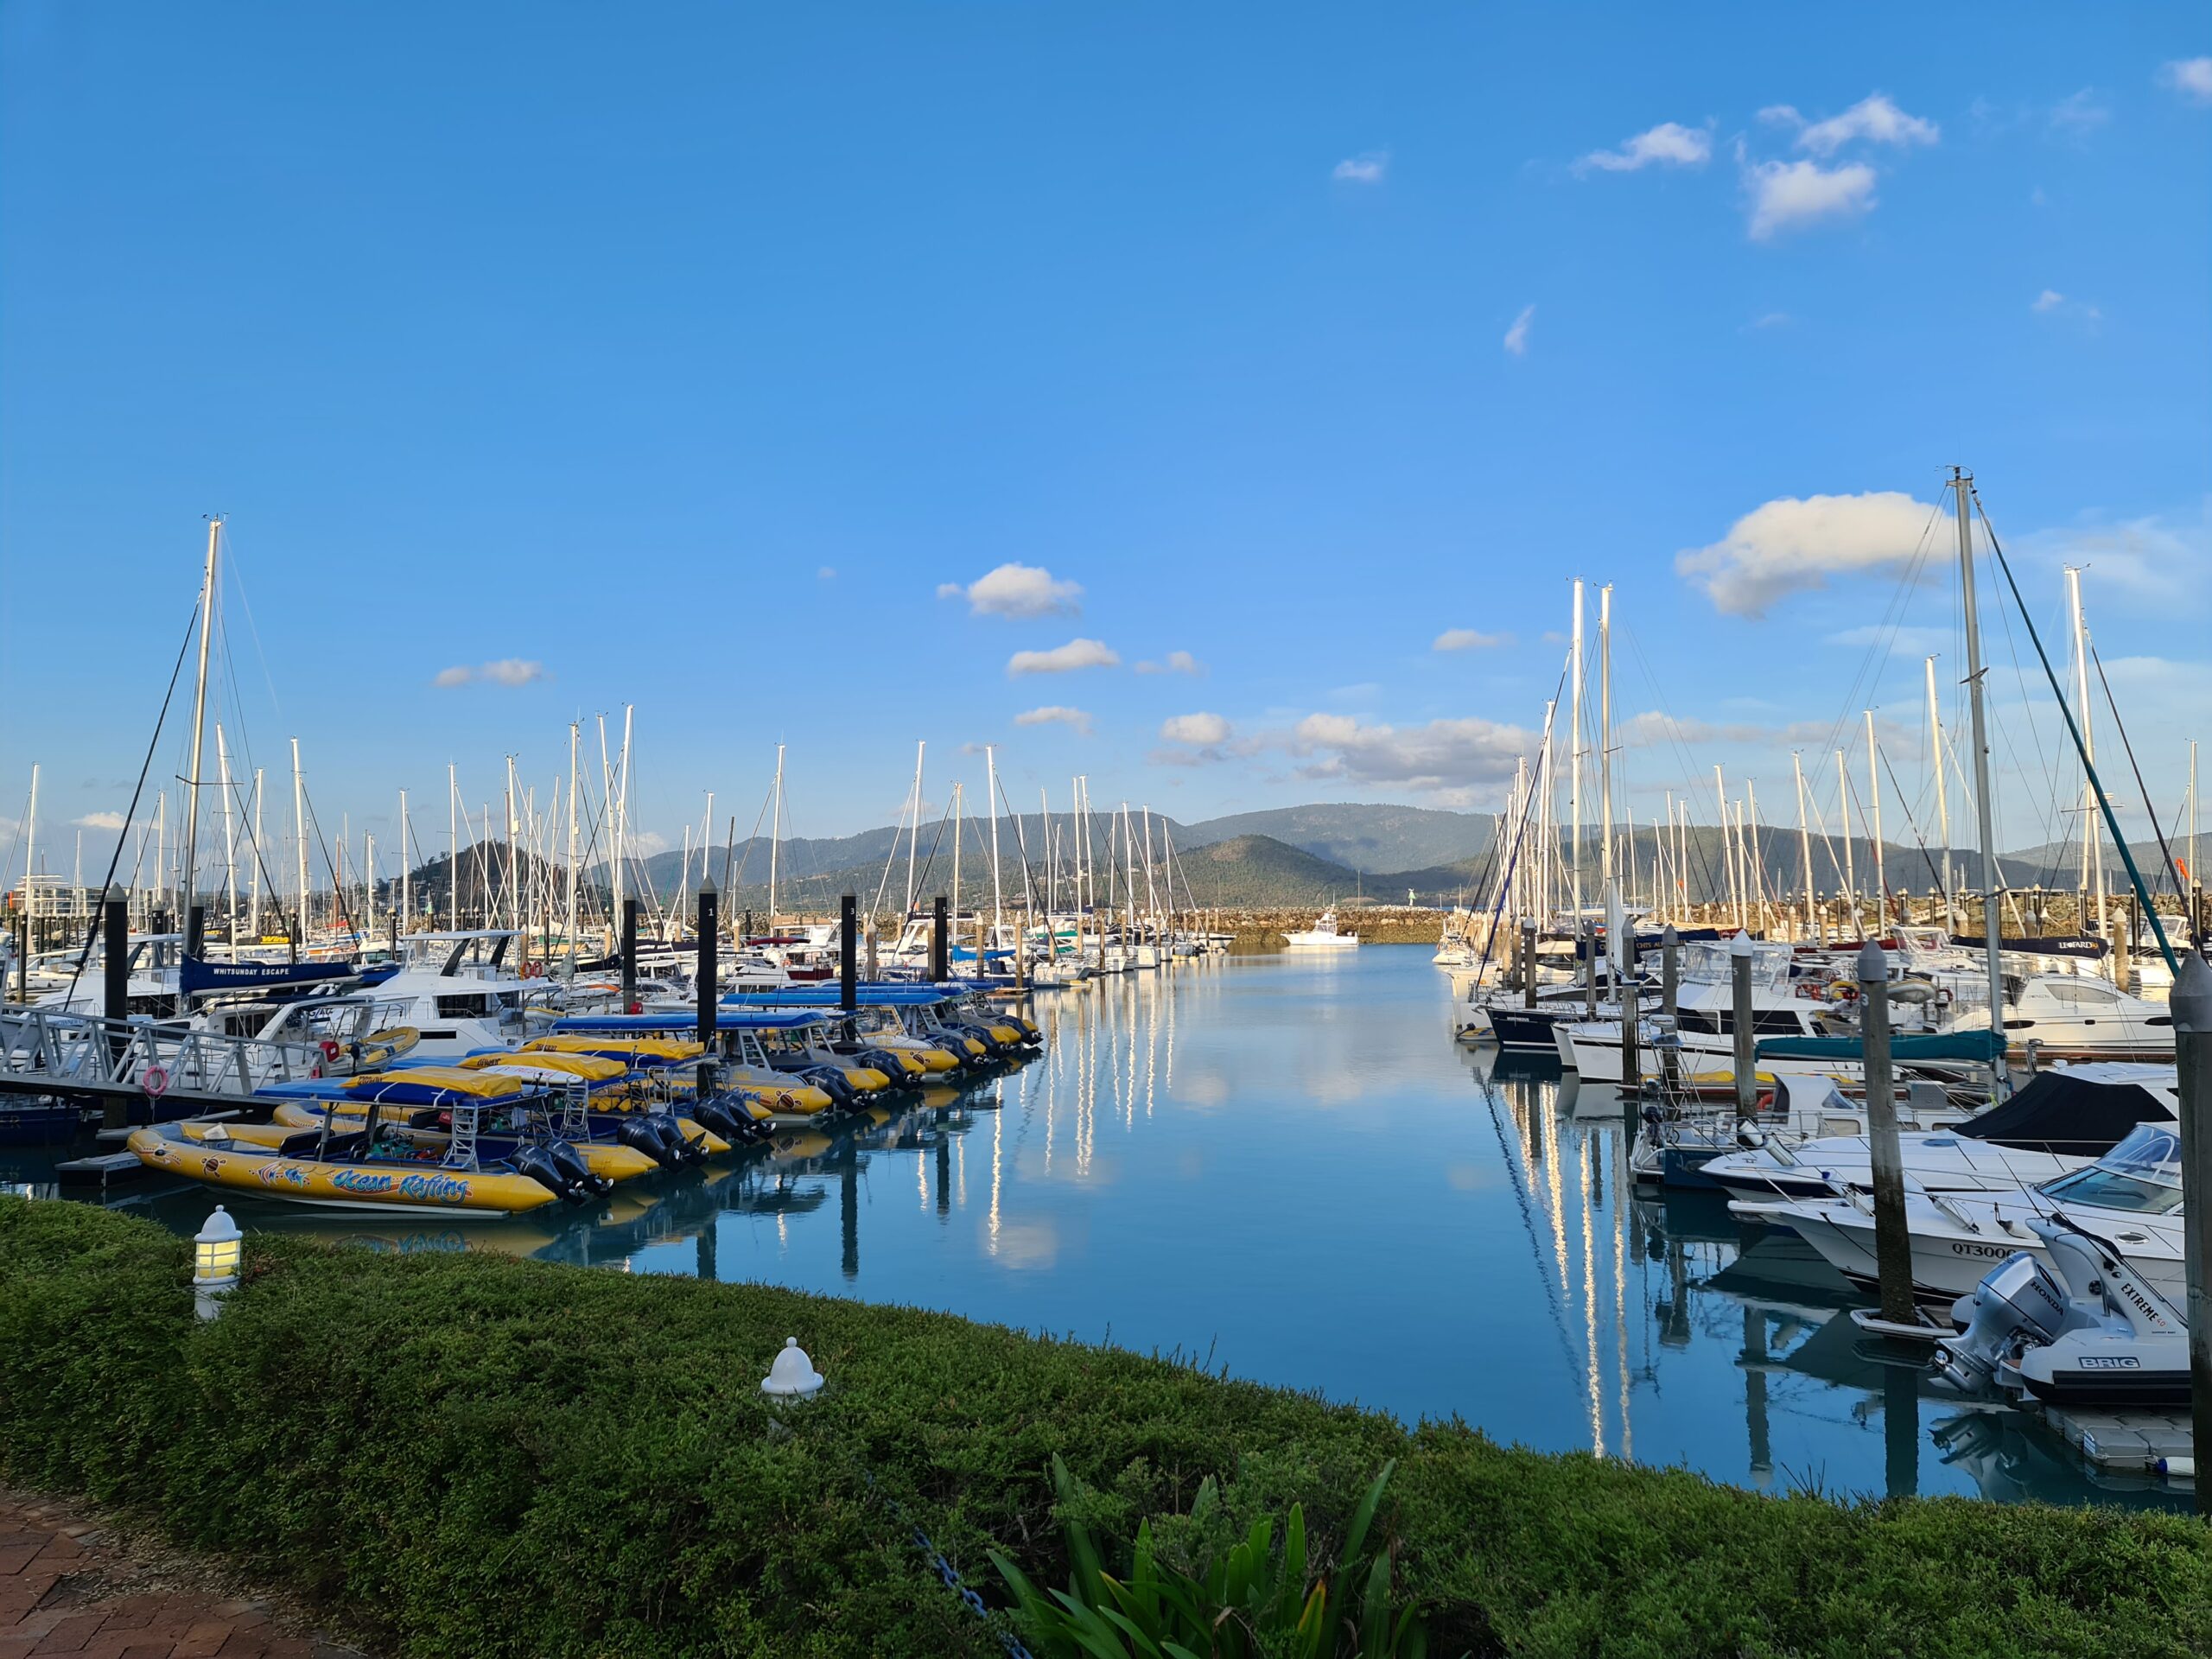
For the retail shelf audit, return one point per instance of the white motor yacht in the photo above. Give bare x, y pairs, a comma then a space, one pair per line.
1322, 936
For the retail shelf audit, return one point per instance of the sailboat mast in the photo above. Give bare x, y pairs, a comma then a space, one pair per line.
775, 837
1992, 878
1942, 802
2092, 856
406, 866
1805, 848
1874, 794
1574, 762
257, 852
300, 839
1605, 735
575, 740
959, 800
1843, 812
914, 839
192, 941
230, 840
453, 837
991, 802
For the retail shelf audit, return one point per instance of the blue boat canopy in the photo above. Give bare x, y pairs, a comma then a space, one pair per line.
877, 992
686, 1022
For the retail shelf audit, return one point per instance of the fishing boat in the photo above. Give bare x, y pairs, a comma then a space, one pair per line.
1322, 936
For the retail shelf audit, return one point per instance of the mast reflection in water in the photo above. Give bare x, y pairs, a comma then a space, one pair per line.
1283, 1165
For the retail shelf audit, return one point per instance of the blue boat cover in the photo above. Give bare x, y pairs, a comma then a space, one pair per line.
685, 1020
198, 977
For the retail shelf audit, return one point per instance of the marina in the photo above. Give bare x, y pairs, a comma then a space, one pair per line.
1294, 1126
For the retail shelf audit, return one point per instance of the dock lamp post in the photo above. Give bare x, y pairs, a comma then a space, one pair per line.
216, 1250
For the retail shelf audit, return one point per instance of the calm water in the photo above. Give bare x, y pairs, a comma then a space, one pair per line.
1282, 1164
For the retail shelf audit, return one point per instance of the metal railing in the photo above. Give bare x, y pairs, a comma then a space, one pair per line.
64, 1051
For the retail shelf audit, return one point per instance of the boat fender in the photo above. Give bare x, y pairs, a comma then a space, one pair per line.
1749, 1135
329, 1047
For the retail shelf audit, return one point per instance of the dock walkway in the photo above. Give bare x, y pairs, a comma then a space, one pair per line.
67, 1587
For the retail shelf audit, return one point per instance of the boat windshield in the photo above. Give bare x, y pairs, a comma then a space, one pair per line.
2142, 1173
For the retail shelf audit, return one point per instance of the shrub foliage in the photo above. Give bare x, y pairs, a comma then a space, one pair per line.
470, 1455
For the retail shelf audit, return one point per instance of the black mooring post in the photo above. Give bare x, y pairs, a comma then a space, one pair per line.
629, 955
710, 923
196, 930
114, 969
940, 956
848, 944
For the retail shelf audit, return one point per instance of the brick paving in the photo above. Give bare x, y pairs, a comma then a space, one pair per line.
68, 1586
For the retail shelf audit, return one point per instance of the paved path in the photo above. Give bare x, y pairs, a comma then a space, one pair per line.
65, 1588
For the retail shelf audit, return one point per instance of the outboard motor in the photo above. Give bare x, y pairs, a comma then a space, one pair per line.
2123, 1342
680, 1151
714, 1115
570, 1164
2017, 1301
643, 1132
536, 1163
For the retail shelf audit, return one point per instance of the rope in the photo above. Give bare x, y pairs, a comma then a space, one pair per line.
107, 886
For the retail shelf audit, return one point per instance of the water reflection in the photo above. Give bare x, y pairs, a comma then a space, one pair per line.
1288, 1166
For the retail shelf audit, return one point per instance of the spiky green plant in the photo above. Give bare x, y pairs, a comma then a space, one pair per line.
1252, 1600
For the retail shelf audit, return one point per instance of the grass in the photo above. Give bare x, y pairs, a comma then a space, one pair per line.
472, 1455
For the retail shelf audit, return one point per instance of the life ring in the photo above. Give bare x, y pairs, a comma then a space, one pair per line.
1843, 991
154, 1081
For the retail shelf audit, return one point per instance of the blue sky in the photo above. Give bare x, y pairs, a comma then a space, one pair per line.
703, 358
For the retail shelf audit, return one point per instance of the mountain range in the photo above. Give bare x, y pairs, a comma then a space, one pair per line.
1290, 855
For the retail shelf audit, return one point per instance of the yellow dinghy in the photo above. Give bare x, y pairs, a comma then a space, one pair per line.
214, 1159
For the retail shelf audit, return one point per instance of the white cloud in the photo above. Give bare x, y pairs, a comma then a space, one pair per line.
99, 821
2191, 77
1873, 118
1061, 659
1175, 661
1016, 591
1199, 730
1451, 759
1468, 639
2147, 560
508, 670
2078, 113
1366, 168
1771, 320
827, 572
1786, 194
1790, 543
2051, 301
1516, 337
1667, 145
1053, 714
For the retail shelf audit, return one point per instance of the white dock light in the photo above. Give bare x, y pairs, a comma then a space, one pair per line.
792, 1377
216, 1251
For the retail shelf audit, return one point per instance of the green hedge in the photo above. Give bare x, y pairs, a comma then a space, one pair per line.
469, 1455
